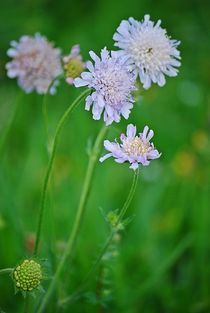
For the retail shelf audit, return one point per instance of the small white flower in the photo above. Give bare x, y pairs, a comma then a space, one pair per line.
112, 84
35, 63
149, 51
135, 149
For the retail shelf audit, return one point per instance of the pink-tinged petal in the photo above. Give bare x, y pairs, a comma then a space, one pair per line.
90, 66
144, 160
144, 134
70, 80
110, 146
13, 43
86, 76
134, 166
146, 82
109, 110
94, 57
153, 154
118, 37
150, 135
12, 52
101, 101
104, 54
88, 102
106, 156
12, 73
161, 80
96, 111
78, 82
123, 29
75, 50
116, 54
131, 131
125, 111
122, 137
120, 160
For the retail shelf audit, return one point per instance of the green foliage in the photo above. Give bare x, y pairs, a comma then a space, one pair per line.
163, 262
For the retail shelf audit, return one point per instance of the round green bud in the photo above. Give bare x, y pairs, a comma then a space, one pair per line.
28, 275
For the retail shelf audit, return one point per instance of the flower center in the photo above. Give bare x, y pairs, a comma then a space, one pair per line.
135, 146
150, 49
114, 85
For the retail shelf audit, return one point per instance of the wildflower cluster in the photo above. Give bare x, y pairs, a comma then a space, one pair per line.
145, 51
146, 55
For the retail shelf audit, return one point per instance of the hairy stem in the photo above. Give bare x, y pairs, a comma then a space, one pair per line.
93, 159
60, 125
109, 239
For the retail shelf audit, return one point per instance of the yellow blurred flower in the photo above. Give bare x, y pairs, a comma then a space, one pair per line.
168, 222
184, 163
200, 139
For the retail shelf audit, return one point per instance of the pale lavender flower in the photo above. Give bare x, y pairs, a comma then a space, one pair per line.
35, 63
135, 149
73, 64
149, 51
112, 85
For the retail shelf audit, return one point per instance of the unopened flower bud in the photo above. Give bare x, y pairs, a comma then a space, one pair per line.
28, 275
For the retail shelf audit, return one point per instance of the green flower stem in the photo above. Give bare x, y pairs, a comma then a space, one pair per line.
93, 159
45, 116
45, 106
61, 123
6, 270
26, 304
109, 239
8, 128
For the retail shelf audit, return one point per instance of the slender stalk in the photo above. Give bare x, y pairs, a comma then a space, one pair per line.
26, 304
60, 125
45, 106
6, 270
93, 159
108, 241
10, 124
45, 116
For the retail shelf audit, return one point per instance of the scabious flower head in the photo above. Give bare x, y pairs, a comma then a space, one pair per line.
35, 63
135, 149
149, 51
73, 64
112, 84
28, 275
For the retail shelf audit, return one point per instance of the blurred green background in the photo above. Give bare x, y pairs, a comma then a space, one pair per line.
162, 260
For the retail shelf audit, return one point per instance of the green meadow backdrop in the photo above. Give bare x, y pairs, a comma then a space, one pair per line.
161, 262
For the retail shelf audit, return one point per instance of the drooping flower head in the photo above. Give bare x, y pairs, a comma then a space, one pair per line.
73, 64
35, 63
135, 149
112, 84
149, 51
